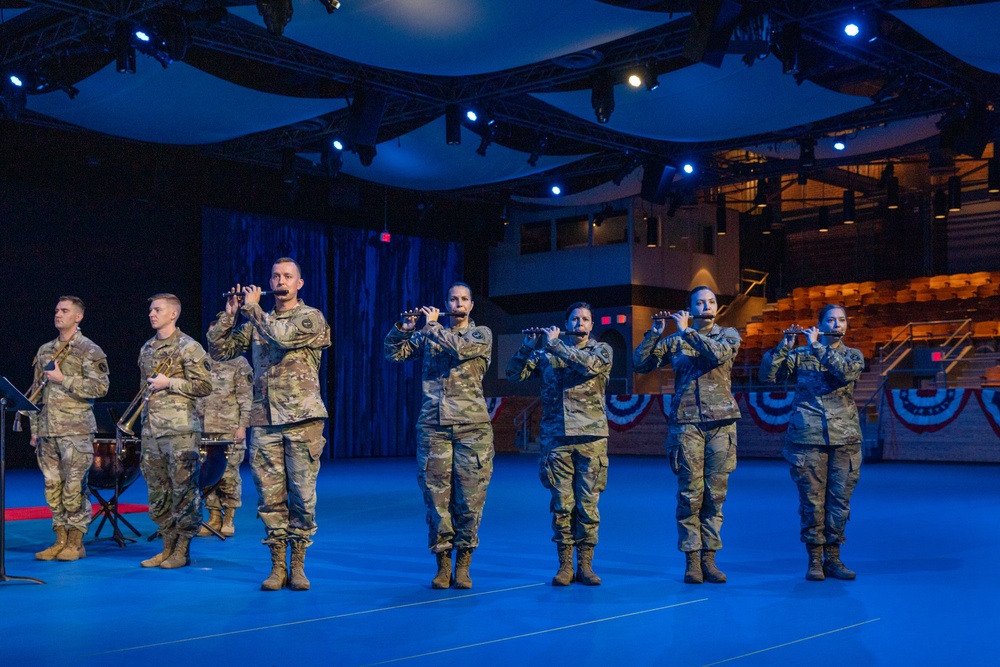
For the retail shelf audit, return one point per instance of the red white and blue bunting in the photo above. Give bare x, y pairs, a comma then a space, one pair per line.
926, 411
989, 399
770, 410
627, 410
665, 401
493, 405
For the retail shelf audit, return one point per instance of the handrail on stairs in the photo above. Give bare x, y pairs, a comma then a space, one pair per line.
522, 423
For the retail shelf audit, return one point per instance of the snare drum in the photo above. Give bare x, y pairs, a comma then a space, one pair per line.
111, 470
213, 461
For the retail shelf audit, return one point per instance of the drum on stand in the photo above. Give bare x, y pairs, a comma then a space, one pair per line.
115, 468
212, 454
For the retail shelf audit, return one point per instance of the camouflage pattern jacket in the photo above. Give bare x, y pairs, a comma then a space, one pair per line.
574, 379
824, 409
227, 408
172, 411
67, 408
454, 363
702, 362
287, 349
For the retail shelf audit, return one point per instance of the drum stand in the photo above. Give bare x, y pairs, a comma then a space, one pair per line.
9, 395
109, 512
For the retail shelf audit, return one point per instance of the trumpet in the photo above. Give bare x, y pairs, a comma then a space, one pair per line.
138, 404
240, 295
416, 312
35, 390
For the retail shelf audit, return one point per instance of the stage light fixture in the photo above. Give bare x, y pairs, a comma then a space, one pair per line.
675, 203
16, 80
486, 138
849, 208
652, 231
602, 99
940, 205
823, 218
635, 80
801, 178
472, 116
892, 193
12, 99
338, 144
540, 145
839, 145
688, 168
760, 199
993, 175
629, 164
366, 154
276, 13
333, 161
556, 190
852, 29
650, 77
807, 152
954, 194
452, 125
330, 5
721, 220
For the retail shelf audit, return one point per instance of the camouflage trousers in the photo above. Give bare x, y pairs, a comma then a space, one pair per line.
171, 467
825, 477
65, 463
284, 461
575, 470
702, 456
454, 467
229, 491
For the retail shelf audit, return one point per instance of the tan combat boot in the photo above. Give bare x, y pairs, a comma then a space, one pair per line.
228, 529
53, 551
564, 577
463, 560
297, 578
692, 568
279, 570
179, 557
74, 546
169, 541
442, 579
833, 566
584, 565
214, 520
709, 571
815, 571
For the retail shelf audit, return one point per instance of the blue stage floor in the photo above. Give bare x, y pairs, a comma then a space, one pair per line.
924, 540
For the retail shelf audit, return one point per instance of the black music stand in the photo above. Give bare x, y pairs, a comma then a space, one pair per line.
9, 396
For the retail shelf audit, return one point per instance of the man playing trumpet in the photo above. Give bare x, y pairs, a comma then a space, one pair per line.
574, 461
73, 371
823, 440
175, 370
701, 440
454, 434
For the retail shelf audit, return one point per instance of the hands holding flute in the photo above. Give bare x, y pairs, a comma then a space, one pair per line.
812, 335
241, 294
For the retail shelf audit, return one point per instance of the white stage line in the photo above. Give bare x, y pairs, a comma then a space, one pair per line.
537, 632
796, 641
317, 620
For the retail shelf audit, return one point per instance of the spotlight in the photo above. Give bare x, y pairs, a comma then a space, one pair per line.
331, 5
16, 80
141, 35
954, 194
651, 78
823, 219
839, 145
940, 205
807, 152
276, 13
540, 145
12, 99
720, 215
849, 210
602, 99
993, 175
472, 115
852, 29
760, 199
338, 144
556, 190
688, 168
487, 137
634, 80
652, 231
452, 125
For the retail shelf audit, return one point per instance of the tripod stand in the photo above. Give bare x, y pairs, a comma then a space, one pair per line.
9, 396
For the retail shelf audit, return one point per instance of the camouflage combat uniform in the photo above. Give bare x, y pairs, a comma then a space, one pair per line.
454, 434
823, 441
287, 414
171, 433
574, 431
701, 440
65, 427
223, 411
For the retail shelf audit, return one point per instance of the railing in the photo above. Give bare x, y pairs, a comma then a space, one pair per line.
901, 345
522, 425
753, 278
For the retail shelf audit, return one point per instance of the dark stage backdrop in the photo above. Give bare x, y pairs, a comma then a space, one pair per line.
361, 285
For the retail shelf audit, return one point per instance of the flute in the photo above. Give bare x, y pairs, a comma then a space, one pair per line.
240, 295
693, 317
419, 313
796, 332
538, 331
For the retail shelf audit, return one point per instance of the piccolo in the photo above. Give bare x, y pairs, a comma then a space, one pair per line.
693, 317
419, 313
240, 295
796, 332
538, 331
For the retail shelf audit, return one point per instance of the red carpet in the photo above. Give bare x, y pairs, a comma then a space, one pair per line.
26, 513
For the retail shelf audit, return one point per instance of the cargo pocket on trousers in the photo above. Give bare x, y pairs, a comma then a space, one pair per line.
674, 457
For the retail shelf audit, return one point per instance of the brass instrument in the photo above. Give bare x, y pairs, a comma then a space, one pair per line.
416, 312
141, 399
35, 390
239, 295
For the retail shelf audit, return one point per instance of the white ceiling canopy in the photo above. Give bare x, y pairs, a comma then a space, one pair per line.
864, 142
459, 37
422, 160
702, 103
176, 105
968, 32
630, 186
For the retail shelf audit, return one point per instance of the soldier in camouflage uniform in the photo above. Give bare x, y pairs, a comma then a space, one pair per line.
287, 415
701, 440
225, 415
175, 370
574, 461
823, 440
454, 434
63, 432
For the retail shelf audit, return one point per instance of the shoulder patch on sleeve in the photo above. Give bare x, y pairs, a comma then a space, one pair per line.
307, 323
102, 366
250, 378
478, 335
208, 365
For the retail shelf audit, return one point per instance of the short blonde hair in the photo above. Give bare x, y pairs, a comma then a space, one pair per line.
169, 298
